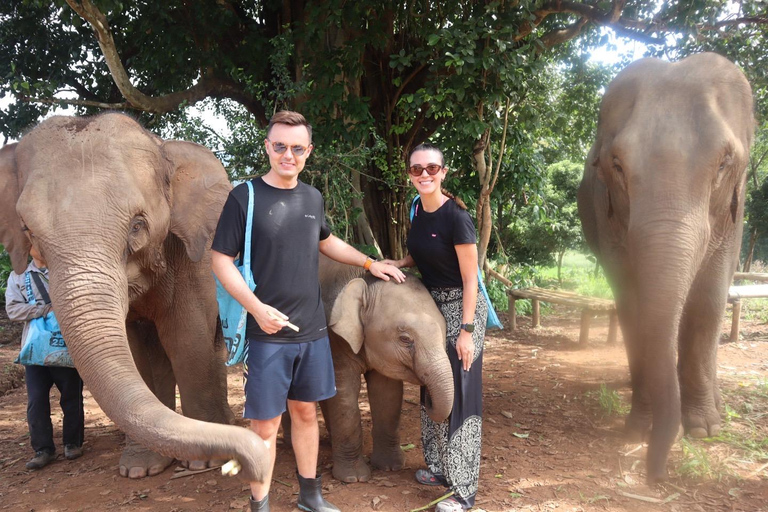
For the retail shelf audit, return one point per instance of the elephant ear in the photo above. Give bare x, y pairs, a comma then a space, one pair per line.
199, 188
347, 314
11, 235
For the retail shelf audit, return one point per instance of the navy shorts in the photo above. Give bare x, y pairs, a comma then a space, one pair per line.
275, 372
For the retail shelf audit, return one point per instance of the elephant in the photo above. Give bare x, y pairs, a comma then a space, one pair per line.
125, 221
389, 333
661, 204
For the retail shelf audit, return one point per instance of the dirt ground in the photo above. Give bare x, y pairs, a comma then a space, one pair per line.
547, 443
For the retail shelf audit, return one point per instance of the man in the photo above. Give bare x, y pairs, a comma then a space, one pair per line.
40, 379
283, 363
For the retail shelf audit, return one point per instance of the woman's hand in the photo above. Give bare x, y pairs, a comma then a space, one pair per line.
465, 348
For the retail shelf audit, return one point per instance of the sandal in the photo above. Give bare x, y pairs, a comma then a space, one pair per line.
426, 477
449, 505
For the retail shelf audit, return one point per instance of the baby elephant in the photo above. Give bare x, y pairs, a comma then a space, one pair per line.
390, 333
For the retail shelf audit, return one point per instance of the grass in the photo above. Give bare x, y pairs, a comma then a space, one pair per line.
578, 274
609, 401
741, 444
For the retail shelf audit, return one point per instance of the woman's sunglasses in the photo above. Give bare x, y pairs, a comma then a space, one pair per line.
432, 169
280, 148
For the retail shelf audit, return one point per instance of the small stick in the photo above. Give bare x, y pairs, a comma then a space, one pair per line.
287, 324
189, 472
433, 503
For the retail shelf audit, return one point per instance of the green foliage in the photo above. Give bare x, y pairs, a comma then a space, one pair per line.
697, 462
5, 271
609, 401
546, 227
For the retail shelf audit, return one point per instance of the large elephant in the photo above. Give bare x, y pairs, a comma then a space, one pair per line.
661, 204
390, 333
124, 221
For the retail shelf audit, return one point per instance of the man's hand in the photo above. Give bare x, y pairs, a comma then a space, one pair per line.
384, 271
269, 319
465, 348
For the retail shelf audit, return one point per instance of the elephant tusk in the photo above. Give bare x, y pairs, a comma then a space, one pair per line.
231, 468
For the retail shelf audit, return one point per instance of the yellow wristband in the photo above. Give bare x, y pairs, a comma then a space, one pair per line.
367, 264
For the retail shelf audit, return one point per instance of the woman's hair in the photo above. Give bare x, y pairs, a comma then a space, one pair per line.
289, 118
427, 147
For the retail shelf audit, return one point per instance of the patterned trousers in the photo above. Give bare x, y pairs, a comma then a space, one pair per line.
452, 448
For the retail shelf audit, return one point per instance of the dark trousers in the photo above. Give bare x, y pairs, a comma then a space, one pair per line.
39, 381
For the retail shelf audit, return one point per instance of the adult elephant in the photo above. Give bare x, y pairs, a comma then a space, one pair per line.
124, 221
389, 333
661, 203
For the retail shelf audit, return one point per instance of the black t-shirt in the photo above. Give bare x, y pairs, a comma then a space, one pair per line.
287, 227
431, 242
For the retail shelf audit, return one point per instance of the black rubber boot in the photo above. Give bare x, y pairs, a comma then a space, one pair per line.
260, 506
311, 496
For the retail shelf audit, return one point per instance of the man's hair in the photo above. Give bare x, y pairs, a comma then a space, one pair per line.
289, 118
427, 147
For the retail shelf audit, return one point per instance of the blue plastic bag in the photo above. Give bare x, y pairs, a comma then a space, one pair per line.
233, 315
493, 321
44, 345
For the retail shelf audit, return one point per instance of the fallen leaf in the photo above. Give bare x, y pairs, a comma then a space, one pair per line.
507, 414
521, 436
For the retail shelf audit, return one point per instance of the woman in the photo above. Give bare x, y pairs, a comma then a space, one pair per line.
442, 244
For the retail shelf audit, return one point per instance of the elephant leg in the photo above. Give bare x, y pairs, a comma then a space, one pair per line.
697, 360
193, 341
195, 347
637, 426
385, 396
342, 415
155, 368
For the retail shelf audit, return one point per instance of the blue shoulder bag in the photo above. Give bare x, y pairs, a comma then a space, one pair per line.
233, 315
44, 344
493, 321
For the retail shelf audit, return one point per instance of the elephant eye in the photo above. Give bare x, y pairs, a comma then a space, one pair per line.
617, 166
405, 339
137, 225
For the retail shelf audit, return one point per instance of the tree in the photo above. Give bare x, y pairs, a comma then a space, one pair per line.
375, 77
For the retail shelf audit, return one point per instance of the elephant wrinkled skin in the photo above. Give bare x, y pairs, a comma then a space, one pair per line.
662, 204
124, 221
389, 333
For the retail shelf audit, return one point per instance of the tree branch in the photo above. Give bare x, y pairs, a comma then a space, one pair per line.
83, 103
207, 85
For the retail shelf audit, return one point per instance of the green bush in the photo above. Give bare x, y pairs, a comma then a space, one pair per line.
5, 271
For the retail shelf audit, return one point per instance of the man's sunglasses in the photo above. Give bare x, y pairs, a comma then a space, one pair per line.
280, 148
432, 169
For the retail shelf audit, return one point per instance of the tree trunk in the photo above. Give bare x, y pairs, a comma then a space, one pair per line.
362, 229
750, 253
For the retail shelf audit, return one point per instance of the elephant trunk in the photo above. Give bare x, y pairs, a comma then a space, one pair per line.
665, 255
91, 304
438, 380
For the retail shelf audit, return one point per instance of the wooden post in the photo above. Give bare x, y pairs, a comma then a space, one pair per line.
535, 306
736, 313
512, 312
586, 319
613, 327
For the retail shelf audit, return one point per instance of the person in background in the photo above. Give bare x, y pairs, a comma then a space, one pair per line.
284, 362
40, 379
442, 244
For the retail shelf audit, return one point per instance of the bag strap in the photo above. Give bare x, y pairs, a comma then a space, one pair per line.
247, 248
28, 284
414, 207
40, 287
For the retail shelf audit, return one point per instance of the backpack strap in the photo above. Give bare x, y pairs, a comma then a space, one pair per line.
41, 287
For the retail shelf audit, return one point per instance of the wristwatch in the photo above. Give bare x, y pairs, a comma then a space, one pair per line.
470, 328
